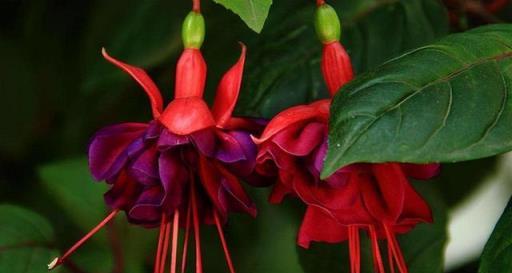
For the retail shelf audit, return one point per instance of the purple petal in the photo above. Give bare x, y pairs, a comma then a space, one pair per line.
107, 148
147, 208
174, 176
204, 141
123, 193
145, 167
168, 140
246, 166
154, 130
230, 147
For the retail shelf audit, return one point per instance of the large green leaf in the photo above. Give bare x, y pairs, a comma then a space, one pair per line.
285, 59
446, 102
497, 254
423, 247
253, 12
26, 241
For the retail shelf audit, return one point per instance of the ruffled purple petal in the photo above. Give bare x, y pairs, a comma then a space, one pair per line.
204, 140
153, 132
147, 208
144, 168
108, 150
174, 176
168, 140
231, 146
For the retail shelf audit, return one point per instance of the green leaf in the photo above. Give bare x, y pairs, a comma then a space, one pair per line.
423, 247
285, 59
72, 186
497, 254
253, 12
447, 102
26, 241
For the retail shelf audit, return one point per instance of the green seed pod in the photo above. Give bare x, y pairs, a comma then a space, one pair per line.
327, 24
193, 30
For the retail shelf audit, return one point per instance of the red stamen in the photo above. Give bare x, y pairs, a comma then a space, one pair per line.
395, 248
390, 259
223, 242
59, 260
377, 257
354, 249
197, 235
320, 2
165, 247
174, 250
185, 243
196, 5
160, 240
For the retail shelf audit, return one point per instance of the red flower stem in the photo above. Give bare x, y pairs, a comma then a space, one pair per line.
175, 230
197, 232
390, 258
377, 257
160, 240
320, 2
60, 260
395, 248
354, 249
223, 242
165, 247
196, 5
185, 242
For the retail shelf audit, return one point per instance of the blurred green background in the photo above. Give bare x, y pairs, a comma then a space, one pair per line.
56, 91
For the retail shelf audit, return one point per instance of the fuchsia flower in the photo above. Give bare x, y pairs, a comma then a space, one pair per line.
377, 198
183, 166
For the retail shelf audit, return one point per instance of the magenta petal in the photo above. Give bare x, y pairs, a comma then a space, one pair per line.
154, 130
147, 208
145, 167
300, 139
230, 148
107, 149
421, 171
123, 193
174, 176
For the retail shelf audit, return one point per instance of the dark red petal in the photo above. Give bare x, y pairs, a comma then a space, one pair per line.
384, 193
123, 193
421, 171
110, 147
148, 207
227, 91
190, 74
300, 139
318, 110
318, 226
416, 209
155, 97
184, 116
336, 66
239, 201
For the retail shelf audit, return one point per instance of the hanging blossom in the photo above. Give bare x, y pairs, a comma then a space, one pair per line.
181, 168
376, 198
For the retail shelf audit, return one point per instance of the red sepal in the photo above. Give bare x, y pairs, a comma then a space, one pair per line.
184, 116
228, 90
190, 74
144, 80
318, 110
336, 67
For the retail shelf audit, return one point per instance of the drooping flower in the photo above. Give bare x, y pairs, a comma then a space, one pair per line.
181, 168
377, 198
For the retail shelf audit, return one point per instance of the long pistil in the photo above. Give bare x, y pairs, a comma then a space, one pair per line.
395, 249
223, 242
354, 249
174, 249
377, 257
185, 242
197, 232
158, 255
59, 260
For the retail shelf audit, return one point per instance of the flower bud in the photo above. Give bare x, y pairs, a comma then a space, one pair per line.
193, 30
327, 24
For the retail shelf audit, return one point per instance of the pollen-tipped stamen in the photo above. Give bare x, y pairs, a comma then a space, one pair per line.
197, 232
185, 240
395, 249
377, 257
223, 242
59, 260
175, 231
354, 249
